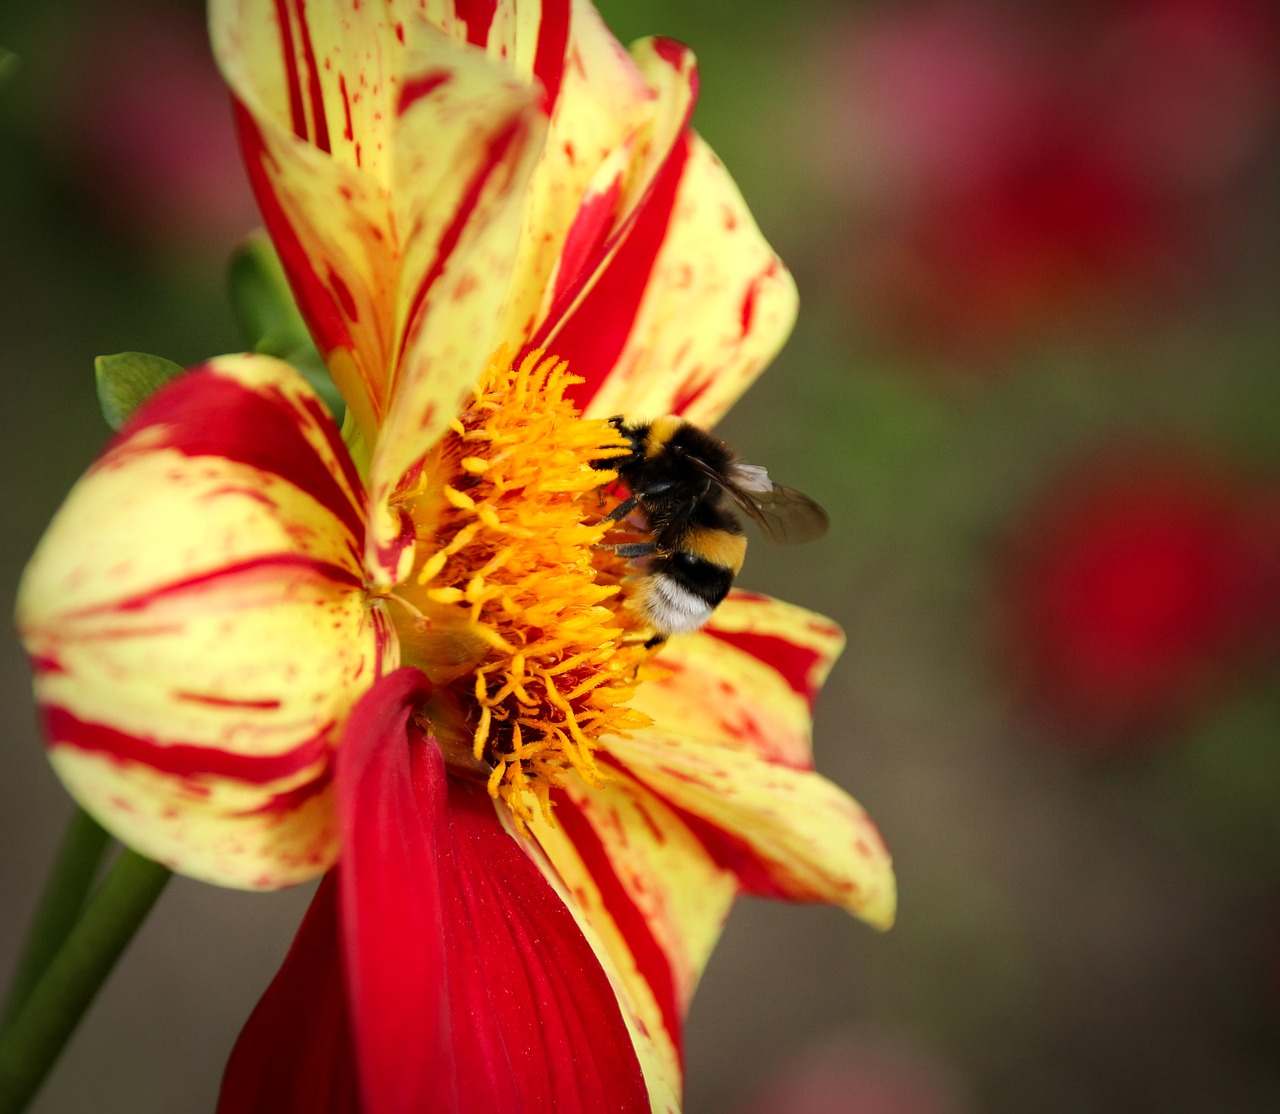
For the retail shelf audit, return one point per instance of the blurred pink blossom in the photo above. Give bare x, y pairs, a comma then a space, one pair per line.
143, 125
1008, 168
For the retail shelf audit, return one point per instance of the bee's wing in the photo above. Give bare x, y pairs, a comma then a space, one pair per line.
786, 516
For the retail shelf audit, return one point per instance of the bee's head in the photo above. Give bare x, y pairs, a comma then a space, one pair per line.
618, 458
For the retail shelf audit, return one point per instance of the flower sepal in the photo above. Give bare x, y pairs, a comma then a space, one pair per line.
127, 379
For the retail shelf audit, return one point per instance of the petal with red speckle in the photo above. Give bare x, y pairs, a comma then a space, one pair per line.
199, 628
691, 307
730, 754
654, 899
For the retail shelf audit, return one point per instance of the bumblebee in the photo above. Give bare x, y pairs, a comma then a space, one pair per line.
685, 488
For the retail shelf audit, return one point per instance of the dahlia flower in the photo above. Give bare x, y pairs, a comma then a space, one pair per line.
264, 647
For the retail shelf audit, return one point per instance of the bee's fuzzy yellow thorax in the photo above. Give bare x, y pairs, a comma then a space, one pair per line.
661, 430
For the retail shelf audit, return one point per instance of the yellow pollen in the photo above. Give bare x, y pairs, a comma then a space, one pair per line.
515, 611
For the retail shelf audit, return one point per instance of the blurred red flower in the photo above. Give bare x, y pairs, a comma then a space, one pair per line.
1137, 585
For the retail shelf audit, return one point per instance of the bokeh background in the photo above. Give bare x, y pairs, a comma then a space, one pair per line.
1034, 381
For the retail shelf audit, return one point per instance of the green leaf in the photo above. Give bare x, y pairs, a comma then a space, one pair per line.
127, 379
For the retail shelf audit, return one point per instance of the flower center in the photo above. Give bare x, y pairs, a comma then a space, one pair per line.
513, 610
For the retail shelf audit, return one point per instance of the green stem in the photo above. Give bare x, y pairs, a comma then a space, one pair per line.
64, 896
32, 1043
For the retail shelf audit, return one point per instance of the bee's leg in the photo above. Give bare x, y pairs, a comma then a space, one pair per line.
633, 549
622, 509
654, 642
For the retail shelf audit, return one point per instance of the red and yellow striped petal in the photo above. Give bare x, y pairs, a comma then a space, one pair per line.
466, 146
789, 652
729, 752
652, 898
390, 162
691, 307
654, 859
615, 119
364, 174
327, 73
317, 141
199, 628
528, 35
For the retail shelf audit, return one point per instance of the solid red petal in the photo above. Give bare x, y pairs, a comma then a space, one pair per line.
294, 1053
555, 1019
472, 987
391, 804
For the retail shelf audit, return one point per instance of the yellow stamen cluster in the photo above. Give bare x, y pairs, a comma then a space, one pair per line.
521, 618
